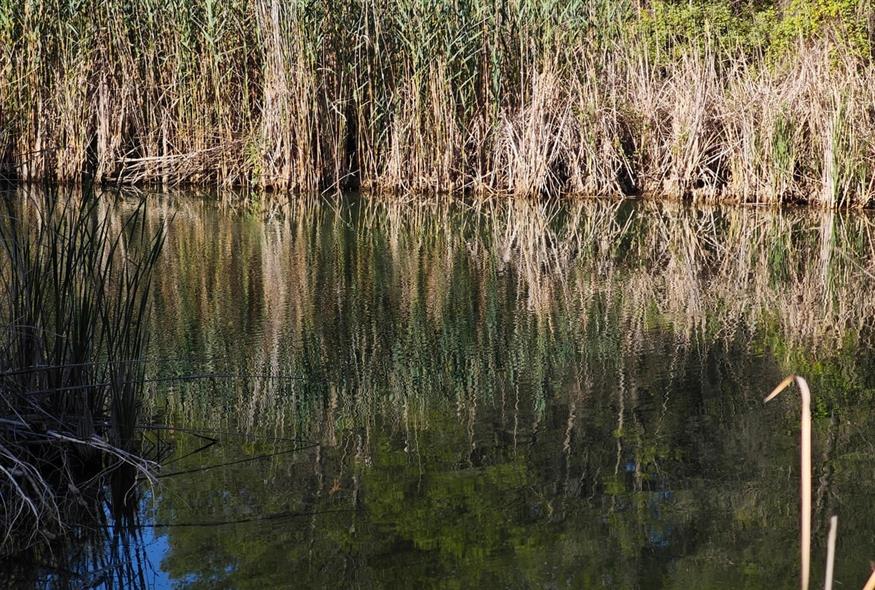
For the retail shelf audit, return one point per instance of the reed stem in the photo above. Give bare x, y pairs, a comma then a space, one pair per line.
805, 471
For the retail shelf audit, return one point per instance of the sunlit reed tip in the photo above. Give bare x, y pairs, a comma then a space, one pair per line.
779, 388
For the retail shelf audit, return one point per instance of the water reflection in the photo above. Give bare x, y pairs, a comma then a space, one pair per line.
507, 394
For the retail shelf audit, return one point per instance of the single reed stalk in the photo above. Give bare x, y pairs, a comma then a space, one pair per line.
805, 474
831, 552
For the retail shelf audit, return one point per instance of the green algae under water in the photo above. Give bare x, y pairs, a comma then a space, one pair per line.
511, 395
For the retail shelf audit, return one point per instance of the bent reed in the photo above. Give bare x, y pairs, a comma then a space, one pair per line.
754, 102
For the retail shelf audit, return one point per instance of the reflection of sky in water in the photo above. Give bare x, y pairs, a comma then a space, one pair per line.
157, 546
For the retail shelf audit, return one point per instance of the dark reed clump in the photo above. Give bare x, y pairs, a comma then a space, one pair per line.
74, 287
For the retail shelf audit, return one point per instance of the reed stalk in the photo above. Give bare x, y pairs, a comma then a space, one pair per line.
805, 491
805, 471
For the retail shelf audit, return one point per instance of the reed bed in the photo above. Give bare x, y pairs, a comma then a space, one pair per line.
508, 97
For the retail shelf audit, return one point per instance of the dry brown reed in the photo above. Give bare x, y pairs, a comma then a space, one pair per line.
490, 98
805, 491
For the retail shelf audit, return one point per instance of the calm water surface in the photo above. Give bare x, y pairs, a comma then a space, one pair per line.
510, 395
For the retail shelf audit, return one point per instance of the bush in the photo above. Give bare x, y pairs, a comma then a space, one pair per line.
672, 27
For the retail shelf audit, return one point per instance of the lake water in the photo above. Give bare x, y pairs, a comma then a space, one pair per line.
368, 393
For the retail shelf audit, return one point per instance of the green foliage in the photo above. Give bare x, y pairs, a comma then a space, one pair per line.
672, 27
844, 22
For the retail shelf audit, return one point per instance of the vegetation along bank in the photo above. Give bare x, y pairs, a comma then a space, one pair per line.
766, 101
